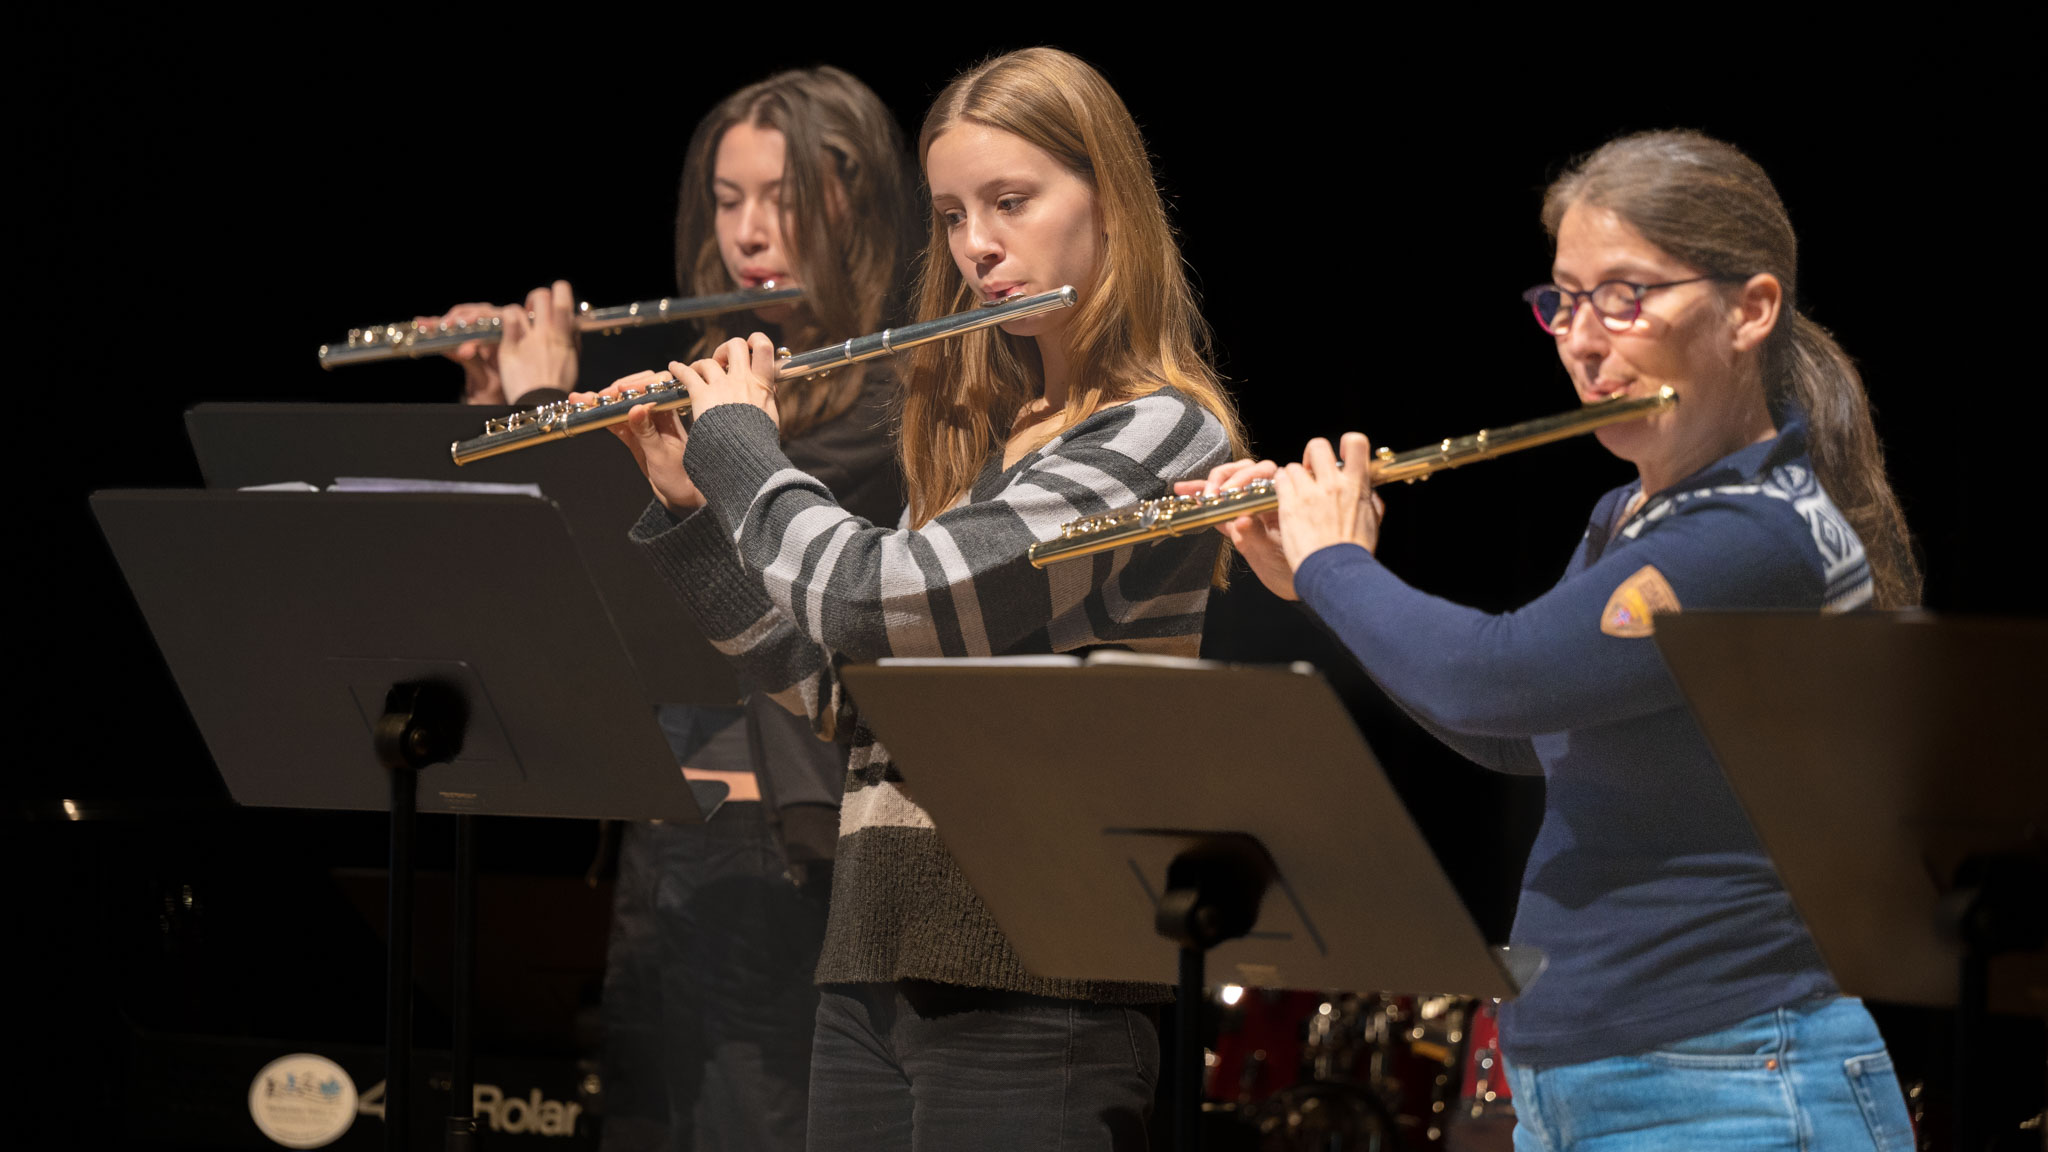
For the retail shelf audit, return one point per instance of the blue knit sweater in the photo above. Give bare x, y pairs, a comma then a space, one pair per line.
1646, 888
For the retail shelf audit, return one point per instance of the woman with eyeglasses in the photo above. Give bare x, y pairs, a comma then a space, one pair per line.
1685, 1004
931, 1033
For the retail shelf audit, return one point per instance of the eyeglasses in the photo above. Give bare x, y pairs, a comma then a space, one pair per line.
1617, 302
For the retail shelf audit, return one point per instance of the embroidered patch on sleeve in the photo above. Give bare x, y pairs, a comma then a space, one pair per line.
1639, 597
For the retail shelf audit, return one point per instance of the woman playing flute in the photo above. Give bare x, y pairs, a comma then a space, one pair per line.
1684, 1004
709, 999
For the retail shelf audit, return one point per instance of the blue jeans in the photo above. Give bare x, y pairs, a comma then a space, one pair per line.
917, 1067
1811, 1076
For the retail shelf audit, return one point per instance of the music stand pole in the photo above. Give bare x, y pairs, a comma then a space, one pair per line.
1212, 895
461, 1078
398, 962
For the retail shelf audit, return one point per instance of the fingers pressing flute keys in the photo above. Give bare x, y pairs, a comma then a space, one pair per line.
539, 345
1331, 503
535, 349
479, 358
656, 439
1256, 537
1324, 502
737, 372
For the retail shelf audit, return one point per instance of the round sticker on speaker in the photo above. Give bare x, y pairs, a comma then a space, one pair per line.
302, 1100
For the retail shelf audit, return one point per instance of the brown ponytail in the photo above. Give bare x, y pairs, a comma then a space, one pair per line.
1712, 207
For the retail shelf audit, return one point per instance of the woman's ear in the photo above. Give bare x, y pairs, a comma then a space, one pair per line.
1757, 304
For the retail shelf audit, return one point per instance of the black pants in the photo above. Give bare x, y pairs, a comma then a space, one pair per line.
708, 996
917, 1067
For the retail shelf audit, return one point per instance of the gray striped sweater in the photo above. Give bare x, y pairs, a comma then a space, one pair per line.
790, 586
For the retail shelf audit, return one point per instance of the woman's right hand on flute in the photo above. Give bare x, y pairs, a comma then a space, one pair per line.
657, 441
1257, 538
536, 348
481, 383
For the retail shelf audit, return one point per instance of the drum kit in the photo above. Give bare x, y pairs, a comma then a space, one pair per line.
1360, 1072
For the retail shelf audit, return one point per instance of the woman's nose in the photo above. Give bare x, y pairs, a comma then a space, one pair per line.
753, 230
982, 243
1588, 333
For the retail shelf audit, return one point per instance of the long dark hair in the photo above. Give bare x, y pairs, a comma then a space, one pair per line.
1707, 204
848, 216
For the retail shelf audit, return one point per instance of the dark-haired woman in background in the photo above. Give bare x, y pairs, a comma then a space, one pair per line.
1685, 1005
709, 998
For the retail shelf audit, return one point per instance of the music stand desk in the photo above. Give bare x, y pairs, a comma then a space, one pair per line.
1066, 789
1892, 768
285, 618
1873, 753
590, 477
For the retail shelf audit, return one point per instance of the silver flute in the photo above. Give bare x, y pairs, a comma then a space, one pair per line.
563, 418
410, 341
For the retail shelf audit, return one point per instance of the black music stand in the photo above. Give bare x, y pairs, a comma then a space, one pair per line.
340, 650
1892, 767
1096, 806
590, 477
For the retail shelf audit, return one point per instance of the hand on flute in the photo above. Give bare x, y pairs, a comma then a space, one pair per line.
1256, 538
539, 353
737, 372
536, 347
1324, 503
479, 358
657, 441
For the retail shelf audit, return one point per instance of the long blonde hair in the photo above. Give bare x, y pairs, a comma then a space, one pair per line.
847, 215
1712, 207
1137, 328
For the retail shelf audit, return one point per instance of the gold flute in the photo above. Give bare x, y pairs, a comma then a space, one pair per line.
1178, 515
563, 418
406, 340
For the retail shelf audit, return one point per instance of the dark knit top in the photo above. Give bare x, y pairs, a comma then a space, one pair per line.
790, 585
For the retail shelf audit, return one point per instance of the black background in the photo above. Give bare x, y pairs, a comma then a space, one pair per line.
205, 205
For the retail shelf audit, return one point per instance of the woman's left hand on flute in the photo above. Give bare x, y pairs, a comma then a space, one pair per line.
1323, 502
